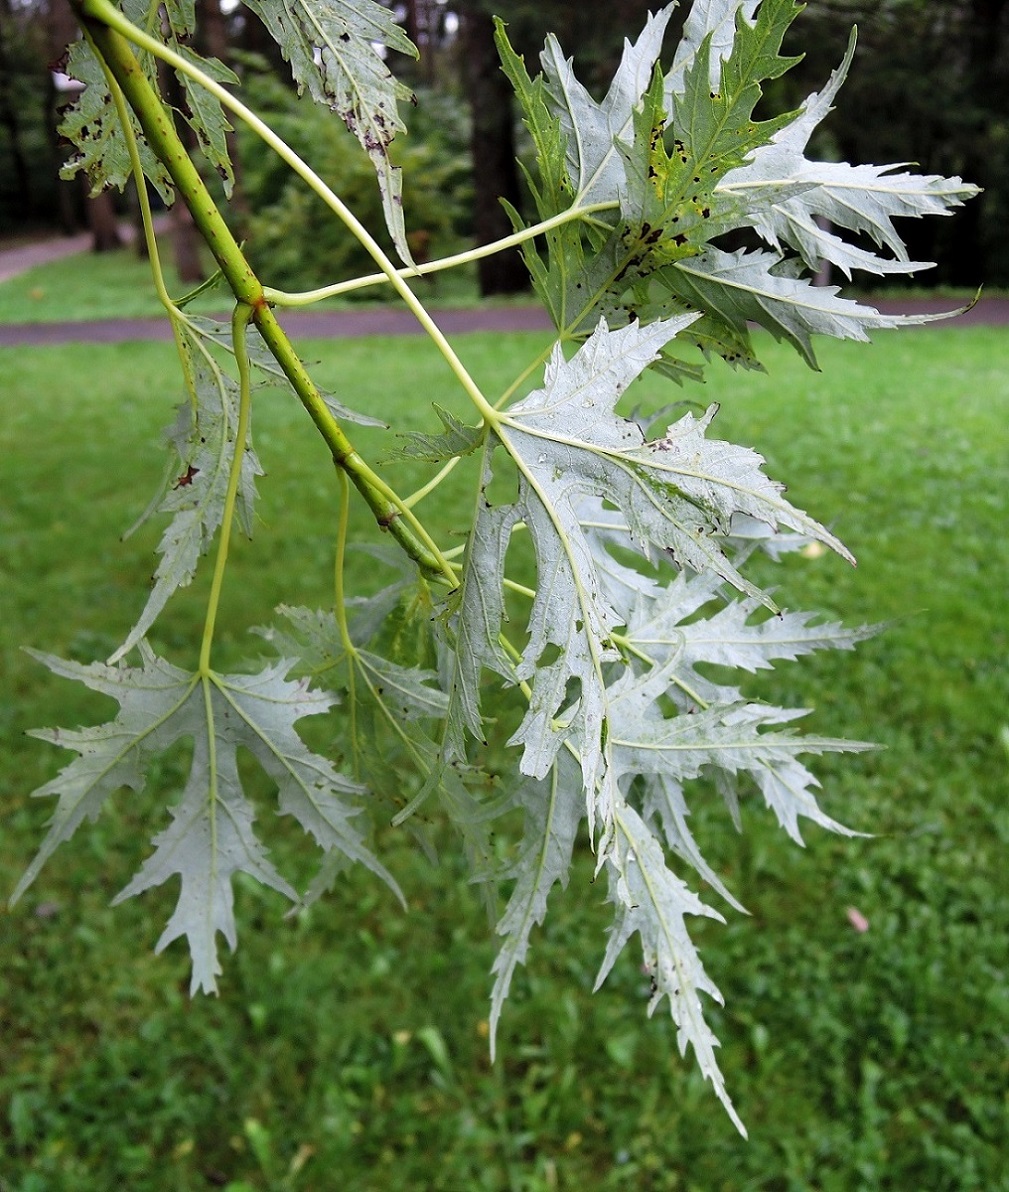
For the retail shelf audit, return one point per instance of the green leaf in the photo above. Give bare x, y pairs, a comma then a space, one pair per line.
386, 727
664, 803
206, 115
675, 645
862, 199
552, 187
737, 288
407, 692
457, 439
553, 811
661, 752
677, 494
708, 110
181, 16
203, 439
617, 149
731, 637
688, 162
474, 632
210, 838
333, 49
593, 132
91, 125
313, 636
735, 739
662, 625
652, 902
738, 40
710, 26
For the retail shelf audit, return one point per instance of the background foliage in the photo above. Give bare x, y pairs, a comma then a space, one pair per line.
928, 73
283, 218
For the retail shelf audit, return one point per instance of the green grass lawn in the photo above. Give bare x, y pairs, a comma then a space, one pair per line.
348, 1047
118, 285
93, 286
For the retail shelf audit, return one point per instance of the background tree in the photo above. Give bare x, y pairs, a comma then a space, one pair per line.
492, 143
933, 73
19, 175
593, 31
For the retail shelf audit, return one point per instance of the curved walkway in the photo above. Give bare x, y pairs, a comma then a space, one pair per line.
14, 261
354, 323
390, 321
341, 324
19, 258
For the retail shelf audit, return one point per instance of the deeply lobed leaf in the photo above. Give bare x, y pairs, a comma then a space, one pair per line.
677, 497
91, 122
653, 902
687, 160
203, 439
333, 47
91, 125
210, 838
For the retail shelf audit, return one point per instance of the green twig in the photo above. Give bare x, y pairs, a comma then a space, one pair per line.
239, 331
104, 14
159, 129
307, 297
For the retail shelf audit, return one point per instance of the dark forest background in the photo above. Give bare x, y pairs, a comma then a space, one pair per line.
930, 84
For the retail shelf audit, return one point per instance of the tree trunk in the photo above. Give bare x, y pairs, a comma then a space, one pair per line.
215, 41
256, 40
9, 115
104, 223
492, 142
185, 241
986, 92
411, 26
61, 30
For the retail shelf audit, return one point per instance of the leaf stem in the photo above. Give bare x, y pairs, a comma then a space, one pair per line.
521, 589
239, 329
446, 469
106, 13
340, 612
515, 654
524, 375
147, 216
307, 297
102, 23
339, 596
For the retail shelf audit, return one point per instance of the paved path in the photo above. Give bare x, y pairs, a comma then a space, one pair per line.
18, 260
26, 256
304, 324
367, 320
386, 321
